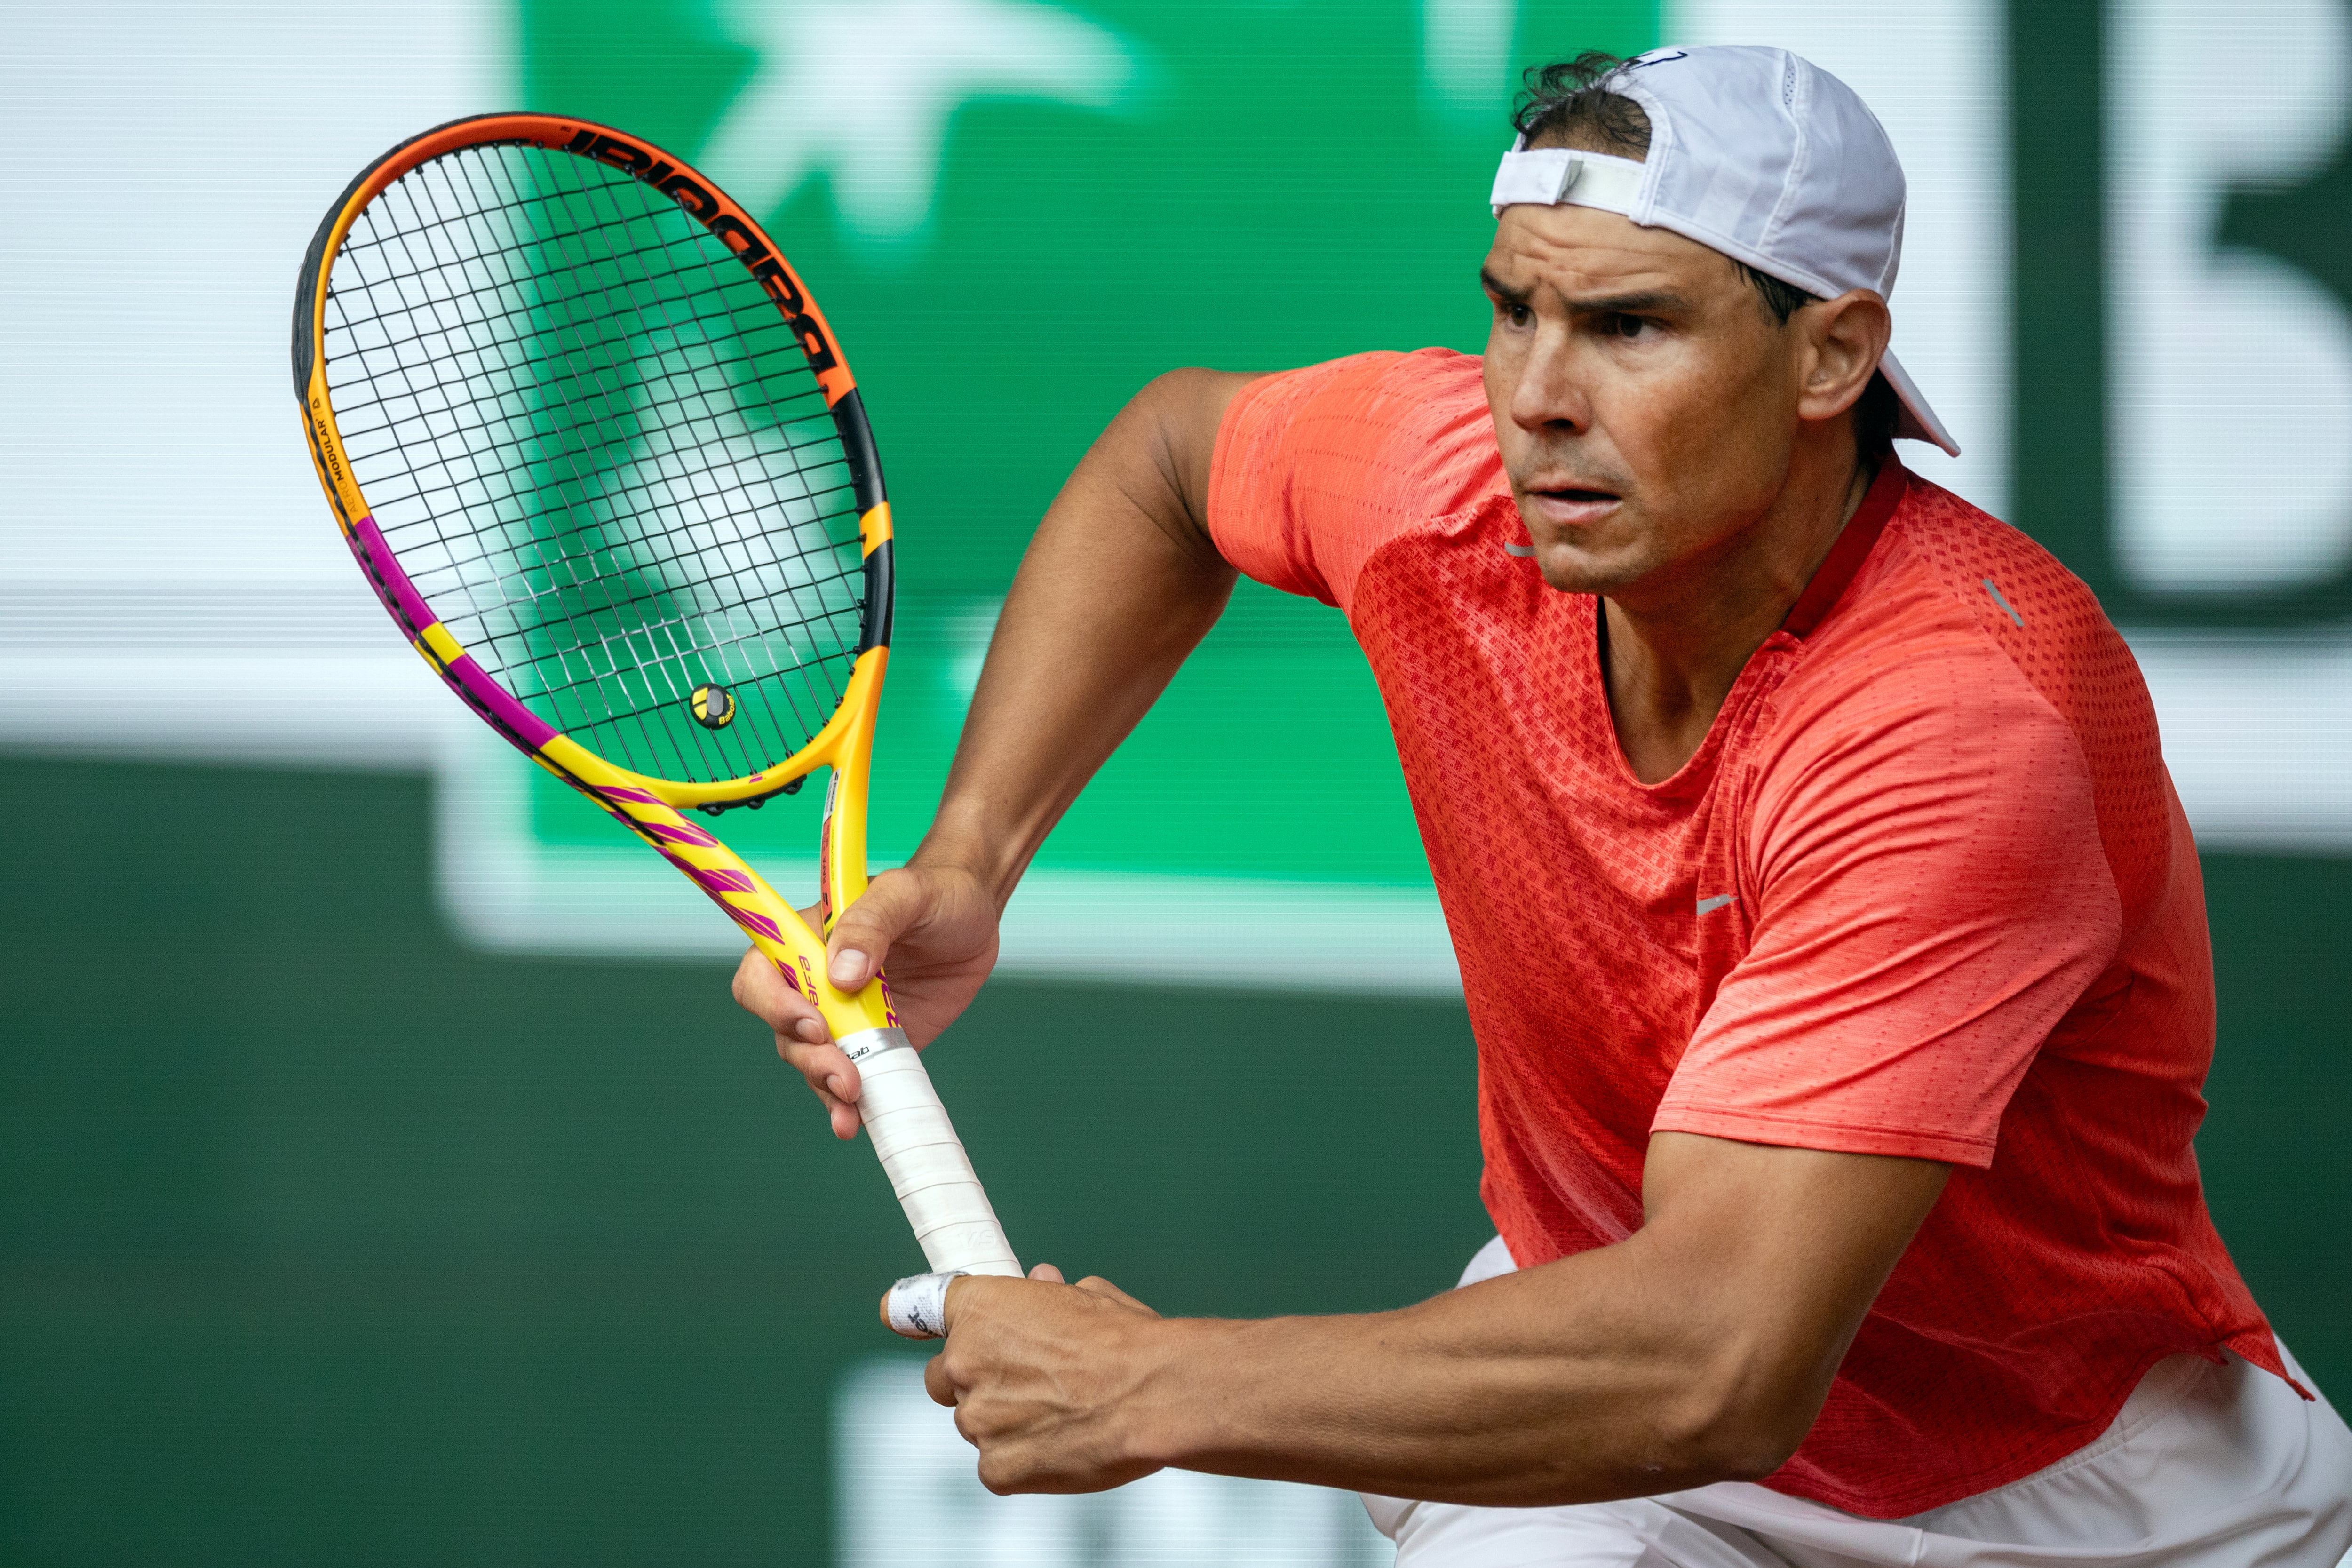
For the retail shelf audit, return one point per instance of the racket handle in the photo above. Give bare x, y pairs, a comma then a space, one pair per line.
924, 1159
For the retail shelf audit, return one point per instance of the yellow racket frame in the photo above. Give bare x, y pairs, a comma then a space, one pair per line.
652, 808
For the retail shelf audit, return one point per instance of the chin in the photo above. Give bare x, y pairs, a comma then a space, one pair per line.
1596, 559
1574, 581
1573, 571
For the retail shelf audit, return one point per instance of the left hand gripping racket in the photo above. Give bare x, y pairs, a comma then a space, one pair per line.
599, 454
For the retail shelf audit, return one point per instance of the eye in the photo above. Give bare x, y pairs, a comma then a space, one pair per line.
1624, 326
1517, 315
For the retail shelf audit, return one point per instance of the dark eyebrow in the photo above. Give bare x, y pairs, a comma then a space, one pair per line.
1651, 302
1494, 287
1648, 302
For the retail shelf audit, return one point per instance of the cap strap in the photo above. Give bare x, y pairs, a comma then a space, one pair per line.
1552, 175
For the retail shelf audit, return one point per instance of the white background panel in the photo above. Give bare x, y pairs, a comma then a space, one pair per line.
171, 582
147, 414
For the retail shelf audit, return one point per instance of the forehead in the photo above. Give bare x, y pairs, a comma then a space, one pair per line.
1580, 252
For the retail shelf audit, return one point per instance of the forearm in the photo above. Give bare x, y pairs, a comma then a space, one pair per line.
1118, 585
1569, 1383
1698, 1349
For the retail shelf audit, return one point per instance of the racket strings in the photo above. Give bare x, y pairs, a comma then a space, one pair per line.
598, 452
598, 229
674, 647
822, 704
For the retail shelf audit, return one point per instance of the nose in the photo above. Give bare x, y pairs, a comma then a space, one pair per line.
1550, 396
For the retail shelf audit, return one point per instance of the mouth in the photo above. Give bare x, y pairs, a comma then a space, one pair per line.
1573, 503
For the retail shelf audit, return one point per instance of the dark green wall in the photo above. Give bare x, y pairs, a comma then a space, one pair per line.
324, 1239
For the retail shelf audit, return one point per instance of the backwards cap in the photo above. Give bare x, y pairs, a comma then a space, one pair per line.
1760, 154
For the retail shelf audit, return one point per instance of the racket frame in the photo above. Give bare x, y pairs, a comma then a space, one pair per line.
652, 808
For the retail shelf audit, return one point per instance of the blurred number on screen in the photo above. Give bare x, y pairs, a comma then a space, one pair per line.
2231, 370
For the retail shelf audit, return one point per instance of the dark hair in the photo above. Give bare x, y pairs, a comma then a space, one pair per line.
1570, 100
1569, 104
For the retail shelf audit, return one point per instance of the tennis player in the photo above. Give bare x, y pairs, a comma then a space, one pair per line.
1833, 936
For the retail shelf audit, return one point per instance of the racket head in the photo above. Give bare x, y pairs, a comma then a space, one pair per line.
601, 455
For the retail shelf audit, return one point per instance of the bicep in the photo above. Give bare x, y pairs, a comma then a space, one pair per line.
1780, 1252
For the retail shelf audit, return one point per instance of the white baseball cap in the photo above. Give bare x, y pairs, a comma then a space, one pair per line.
1758, 154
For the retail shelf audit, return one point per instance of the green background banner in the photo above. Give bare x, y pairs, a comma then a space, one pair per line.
1271, 187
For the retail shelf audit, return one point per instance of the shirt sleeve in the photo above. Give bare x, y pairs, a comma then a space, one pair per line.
1315, 469
1931, 897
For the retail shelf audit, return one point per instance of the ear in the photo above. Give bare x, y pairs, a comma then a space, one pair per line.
1845, 340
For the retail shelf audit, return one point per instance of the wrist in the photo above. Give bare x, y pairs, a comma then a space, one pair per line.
957, 844
1178, 1411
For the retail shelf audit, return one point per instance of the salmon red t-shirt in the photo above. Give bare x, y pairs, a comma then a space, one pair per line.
1925, 889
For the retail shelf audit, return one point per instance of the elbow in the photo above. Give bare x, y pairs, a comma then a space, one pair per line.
1734, 1433
1751, 1451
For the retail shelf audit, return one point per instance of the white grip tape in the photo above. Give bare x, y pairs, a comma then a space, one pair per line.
916, 1306
924, 1160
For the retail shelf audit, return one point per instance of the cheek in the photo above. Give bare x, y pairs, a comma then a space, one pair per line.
1686, 418
1499, 369
1703, 445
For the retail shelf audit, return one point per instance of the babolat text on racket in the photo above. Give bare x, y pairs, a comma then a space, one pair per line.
602, 457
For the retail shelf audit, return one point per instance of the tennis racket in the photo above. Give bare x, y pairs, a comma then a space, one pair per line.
601, 456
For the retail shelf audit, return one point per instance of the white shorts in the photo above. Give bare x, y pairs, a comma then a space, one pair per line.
2206, 1466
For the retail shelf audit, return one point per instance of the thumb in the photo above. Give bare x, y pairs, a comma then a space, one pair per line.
892, 904
917, 1308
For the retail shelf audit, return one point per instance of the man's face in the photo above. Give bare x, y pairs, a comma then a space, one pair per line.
1645, 401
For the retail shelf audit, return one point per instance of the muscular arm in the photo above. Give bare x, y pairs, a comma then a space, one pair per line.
1700, 1349
1120, 584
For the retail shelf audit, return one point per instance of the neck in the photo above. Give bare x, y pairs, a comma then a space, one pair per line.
1674, 644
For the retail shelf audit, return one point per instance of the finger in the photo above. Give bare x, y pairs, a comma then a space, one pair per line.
892, 905
1046, 1272
826, 1067
830, 1076
935, 1382
1095, 1285
841, 1116
776, 1002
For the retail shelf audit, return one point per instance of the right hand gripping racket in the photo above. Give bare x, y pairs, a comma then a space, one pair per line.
601, 456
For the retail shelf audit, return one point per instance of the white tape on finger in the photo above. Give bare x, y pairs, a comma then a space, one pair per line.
916, 1306
926, 1162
